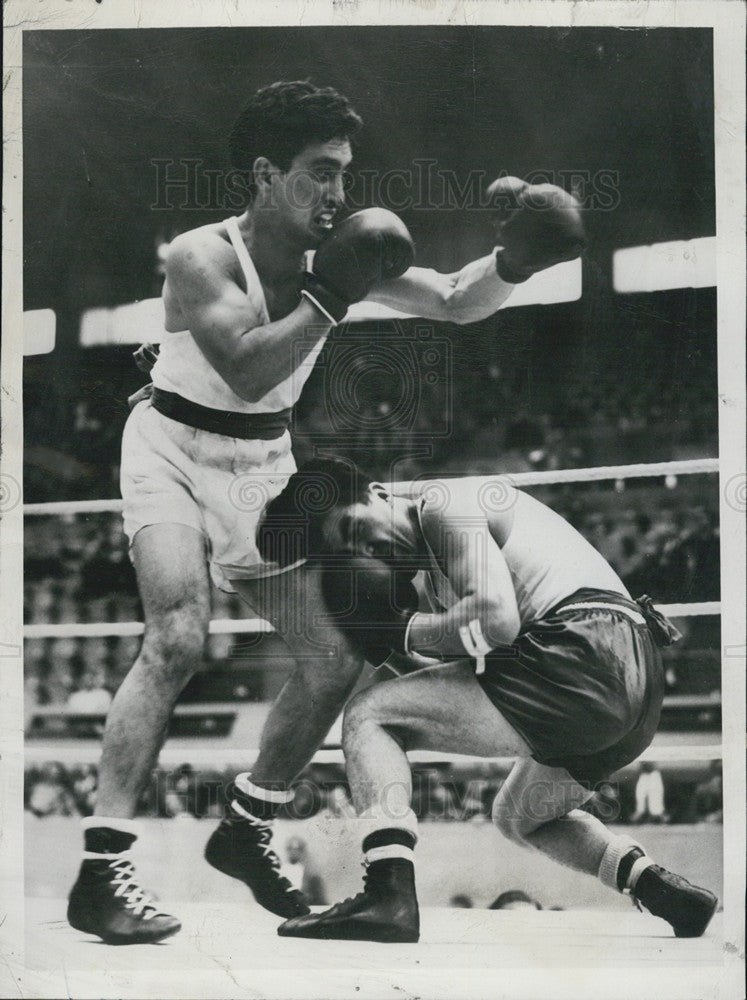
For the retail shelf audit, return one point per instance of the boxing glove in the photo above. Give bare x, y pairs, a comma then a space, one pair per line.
371, 604
537, 226
366, 248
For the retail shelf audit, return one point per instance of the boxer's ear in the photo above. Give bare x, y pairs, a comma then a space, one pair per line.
379, 490
263, 171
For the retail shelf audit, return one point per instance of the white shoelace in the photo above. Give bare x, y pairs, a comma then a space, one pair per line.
136, 899
264, 826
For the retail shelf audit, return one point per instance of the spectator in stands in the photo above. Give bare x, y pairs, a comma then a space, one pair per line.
34, 695
84, 783
180, 796
301, 873
515, 899
461, 901
106, 568
339, 805
50, 795
708, 796
63, 664
649, 795
92, 697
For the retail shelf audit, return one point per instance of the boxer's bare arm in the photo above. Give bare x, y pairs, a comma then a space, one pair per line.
466, 296
252, 359
473, 563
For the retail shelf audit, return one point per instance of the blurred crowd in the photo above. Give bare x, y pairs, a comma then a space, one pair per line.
406, 397
443, 793
668, 551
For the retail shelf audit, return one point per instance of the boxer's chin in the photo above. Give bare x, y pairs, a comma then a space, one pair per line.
320, 227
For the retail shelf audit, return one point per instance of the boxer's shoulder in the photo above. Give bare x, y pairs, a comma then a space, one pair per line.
206, 250
205, 240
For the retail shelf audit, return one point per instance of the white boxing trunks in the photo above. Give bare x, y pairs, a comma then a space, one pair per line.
172, 473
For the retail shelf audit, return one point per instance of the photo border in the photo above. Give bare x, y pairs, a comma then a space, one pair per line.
727, 19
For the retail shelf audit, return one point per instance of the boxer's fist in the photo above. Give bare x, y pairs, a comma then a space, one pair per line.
537, 226
145, 357
365, 249
137, 397
371, 604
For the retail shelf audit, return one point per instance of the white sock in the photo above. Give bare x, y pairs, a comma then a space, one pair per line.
389, 851
615, 851
277, 796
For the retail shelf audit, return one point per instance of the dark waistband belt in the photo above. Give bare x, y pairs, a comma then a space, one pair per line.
249, 426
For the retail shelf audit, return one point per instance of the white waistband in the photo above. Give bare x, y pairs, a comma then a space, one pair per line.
634, 616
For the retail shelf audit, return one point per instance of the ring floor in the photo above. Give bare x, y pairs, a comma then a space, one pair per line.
233, 951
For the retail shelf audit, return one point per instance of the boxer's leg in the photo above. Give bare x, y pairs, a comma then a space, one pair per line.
173, 582
325, 673
538, 807
309, 702
438, 708
172, 576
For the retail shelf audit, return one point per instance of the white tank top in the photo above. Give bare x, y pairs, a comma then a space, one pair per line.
183, 368
547, 558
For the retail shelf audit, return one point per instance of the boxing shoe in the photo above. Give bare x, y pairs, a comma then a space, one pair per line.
107, 901
240, 847
686, 907
386, 910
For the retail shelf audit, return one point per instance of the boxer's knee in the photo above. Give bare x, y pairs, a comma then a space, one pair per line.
325, 666
375, 707
174, 643
511, 819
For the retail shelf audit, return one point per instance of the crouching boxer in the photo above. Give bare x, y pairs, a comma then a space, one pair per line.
550, 662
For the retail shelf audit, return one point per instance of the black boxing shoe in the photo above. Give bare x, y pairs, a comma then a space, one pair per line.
386, 910
686, 907
240, 847
107, 901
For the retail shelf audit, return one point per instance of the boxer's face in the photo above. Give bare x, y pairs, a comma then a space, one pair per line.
309, 196
380, 527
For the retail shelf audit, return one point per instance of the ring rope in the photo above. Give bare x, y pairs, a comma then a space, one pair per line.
686, 467
219, 757
236, 626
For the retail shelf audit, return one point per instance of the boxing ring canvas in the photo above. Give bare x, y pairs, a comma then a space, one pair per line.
610, 387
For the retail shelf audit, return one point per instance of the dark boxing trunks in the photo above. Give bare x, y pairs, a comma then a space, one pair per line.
584, 685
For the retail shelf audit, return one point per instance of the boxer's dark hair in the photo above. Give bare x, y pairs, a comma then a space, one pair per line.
292, 526
280, 120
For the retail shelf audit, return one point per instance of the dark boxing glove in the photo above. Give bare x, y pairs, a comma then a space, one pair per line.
371, 604
537, 226
366, 248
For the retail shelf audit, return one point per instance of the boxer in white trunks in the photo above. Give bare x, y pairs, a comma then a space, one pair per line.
245, 316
